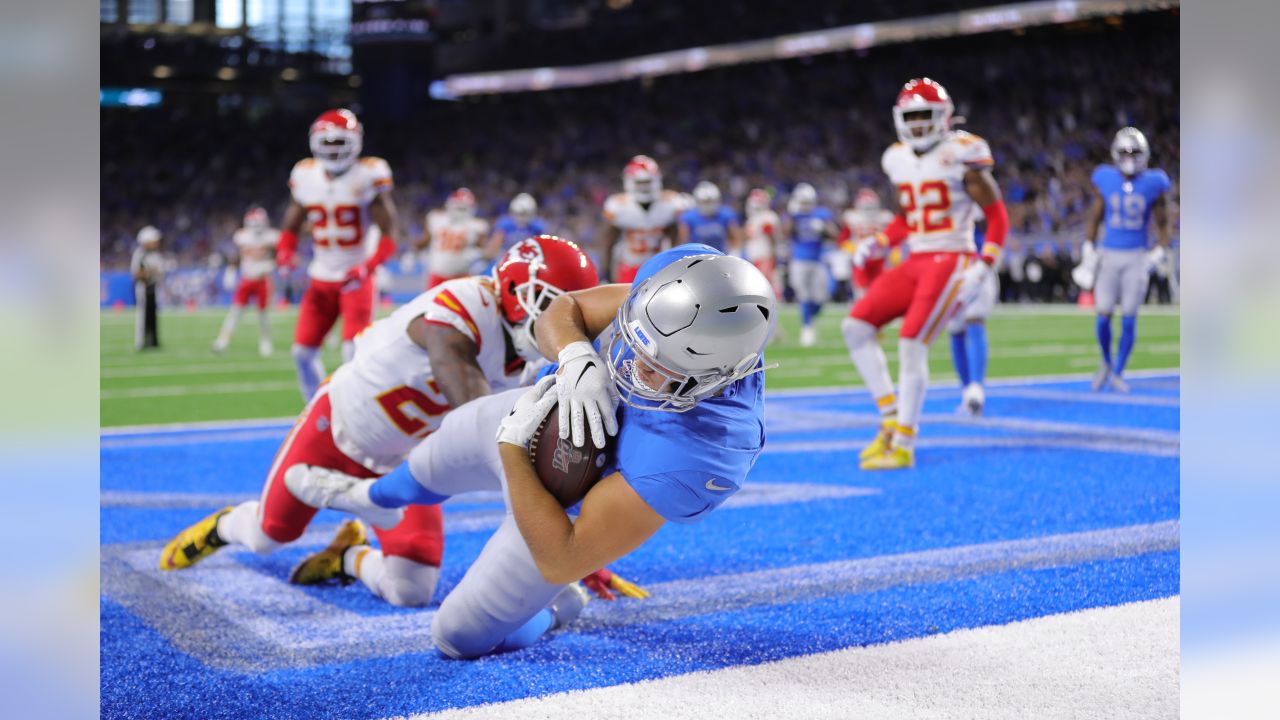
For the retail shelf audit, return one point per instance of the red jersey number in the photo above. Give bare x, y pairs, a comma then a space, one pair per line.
341, 228
922, 206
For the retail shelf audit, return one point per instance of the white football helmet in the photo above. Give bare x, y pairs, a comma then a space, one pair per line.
804, 198
642, 179
149, 235
707, 198
757, 201
256, 219
1129, 151
523, 208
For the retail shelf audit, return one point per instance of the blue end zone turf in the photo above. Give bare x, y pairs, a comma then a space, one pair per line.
1058, 499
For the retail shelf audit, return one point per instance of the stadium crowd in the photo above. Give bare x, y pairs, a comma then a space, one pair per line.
1048, 101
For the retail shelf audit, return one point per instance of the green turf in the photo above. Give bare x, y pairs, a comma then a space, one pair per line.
185, 382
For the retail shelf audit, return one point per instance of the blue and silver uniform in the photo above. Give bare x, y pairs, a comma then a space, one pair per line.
713, 230
1128, 202
513, 232
808, 233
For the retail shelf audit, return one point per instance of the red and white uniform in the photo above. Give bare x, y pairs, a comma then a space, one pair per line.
861, 224
456, 243
378, 407
940, 218
643, 229
257, 260
386, 399
760, 229
343, 236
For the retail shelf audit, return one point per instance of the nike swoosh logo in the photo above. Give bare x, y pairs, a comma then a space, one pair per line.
590, 364
711, 485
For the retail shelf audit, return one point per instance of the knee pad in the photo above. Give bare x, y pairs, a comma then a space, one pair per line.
857, 332
406, 583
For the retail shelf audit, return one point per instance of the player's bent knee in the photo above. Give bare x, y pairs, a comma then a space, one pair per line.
261, 542
406, 583
302, 353
455, 643
857, 331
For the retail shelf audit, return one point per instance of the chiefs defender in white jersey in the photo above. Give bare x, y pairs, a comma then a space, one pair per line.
943, 177
454, 237
862, 222
256, 243
461, 340
346, 201
761, 231
643, 217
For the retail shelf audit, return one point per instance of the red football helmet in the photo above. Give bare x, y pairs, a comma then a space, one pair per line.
461, 203
530, 275
336, 140
757, 201
867, 199
256, 218
922, 114
642, 179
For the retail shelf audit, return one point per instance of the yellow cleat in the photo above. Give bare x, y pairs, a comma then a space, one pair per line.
194, 544
880, 445
898, 458
326, 565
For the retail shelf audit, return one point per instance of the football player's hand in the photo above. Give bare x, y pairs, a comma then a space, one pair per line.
285, 259
518, 427
587, 395
355, 278
971, 281
868, 249
604, 582
1156, 257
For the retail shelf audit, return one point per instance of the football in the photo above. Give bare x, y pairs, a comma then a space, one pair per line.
567, 472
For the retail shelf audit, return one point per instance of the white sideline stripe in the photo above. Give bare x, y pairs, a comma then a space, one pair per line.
256, 622
815, 392
184, 390
1117, 662
1091, 397
265, 365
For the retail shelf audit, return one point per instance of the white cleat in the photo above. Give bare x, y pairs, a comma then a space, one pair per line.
219, 347
567, 605
808, 336
1119, 384
973, 399
1100, 377
324, 488
265, 349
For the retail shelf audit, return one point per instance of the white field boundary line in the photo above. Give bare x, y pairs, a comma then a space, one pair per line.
1119, 662
816, 392
230, 616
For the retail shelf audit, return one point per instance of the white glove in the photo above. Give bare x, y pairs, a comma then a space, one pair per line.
408, 261
531, 409
1086, 273
1156, 257
869, 249
586, 391
971, 281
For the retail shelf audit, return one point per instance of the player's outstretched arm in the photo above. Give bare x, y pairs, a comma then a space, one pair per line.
287, 245
454, 361
577, 317
613, 521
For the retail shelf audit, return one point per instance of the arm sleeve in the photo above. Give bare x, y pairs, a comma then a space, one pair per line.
455, 307
682, 496
974, 152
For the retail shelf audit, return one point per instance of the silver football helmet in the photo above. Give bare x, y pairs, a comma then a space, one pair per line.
688, 331
1130, 151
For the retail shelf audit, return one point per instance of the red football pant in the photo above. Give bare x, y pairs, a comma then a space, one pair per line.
323, 302
419, 536
922, 291
625, 273
767, 266
867, 274
248, 289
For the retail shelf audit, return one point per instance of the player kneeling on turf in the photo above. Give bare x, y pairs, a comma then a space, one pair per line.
684, 355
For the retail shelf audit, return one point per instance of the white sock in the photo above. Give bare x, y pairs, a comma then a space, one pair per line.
913, 380
399, 581
229, 325
348, 350
310, 369
241, 527
264, 327
868, 358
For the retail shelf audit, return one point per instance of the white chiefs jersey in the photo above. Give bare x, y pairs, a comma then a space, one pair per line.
257, 251
931, 194
386, 399
455, 242
342, 232
642, 228
760, 229
863, 224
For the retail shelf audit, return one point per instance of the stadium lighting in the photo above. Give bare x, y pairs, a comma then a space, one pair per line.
162, 71
226, 73
289, 74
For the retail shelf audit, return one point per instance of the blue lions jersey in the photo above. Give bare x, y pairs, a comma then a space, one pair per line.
807, 233
513, 232
1128, 204
714, 230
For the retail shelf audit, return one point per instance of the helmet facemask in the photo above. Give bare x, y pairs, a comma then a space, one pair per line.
1130, 152
336, 149
922, 124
